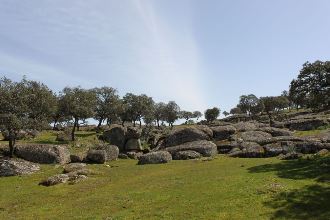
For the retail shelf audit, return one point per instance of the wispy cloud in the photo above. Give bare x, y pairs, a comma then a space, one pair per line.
130, 45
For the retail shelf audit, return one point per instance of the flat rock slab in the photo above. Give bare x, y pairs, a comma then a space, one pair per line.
44, 154
204, 147
186, 155
15, 167
155, 158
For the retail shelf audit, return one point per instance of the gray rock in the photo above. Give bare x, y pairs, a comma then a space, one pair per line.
306, 124
235, 152
21, 135
133, 133
290, 156
122, 156
205, 148
275, 132
54, 180
259, 137
245, 126
116, 136
63, 136
224, 148
73, 167
14, 167
310, 146
133, 155
133, 144
155, 158
273, 150
251, 149
77, 158
187, 134
111, 150
97, 156
186, 155
223, 132
46, 154
72, 177
322, 152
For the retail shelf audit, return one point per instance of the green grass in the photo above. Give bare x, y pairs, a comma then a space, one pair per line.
225, 188
313, 133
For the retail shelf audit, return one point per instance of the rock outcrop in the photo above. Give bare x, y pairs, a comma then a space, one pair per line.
15, 167
204, 147
44, 154
155, 158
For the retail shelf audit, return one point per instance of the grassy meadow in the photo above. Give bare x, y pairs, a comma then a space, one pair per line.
223, 188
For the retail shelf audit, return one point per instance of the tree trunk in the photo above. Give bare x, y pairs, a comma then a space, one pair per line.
140, 123
100, 123
157, 123
74, 129
133, 123
55, 123
11, 147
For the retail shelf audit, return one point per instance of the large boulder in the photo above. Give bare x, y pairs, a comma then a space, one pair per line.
155, 158
133, 144
187, 134
97, 156
186, 155
290, 156
116, 136
273, 150
245, 126
45, 154
306, 124
77, 158
63, 136
275, 132
204, 147
310, 146
134, 155
223, 132
111, 150
133, 133
74, 167
14, 167
251, 149
226, 147
259, 137
19, 136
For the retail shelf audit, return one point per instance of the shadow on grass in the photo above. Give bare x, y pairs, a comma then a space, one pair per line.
318, 169
309, 202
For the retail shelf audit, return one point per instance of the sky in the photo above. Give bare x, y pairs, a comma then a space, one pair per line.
199, 53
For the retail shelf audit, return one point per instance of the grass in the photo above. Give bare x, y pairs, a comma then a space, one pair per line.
224, 188
313, 133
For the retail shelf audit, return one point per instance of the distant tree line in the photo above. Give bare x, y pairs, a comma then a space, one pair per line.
29, 104
311, 89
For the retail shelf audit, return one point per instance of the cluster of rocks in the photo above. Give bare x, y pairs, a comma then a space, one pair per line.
253, 139
125, 138
72, 173
183, 143
22, 134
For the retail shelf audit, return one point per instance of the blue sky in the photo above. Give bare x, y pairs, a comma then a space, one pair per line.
200, 53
